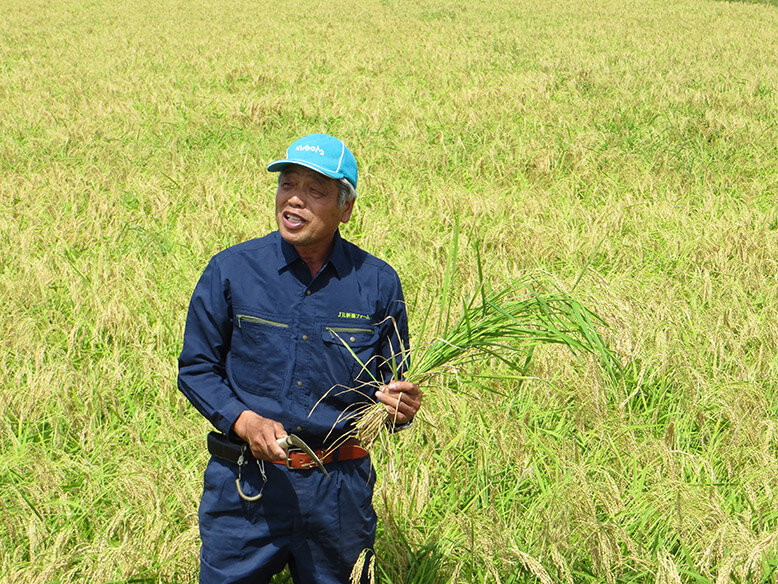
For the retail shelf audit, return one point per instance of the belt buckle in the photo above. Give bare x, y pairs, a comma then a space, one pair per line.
302, 465
295, 443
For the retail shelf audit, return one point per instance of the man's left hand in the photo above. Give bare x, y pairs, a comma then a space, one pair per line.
402, 400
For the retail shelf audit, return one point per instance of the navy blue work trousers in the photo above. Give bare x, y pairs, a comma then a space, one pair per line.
318, 526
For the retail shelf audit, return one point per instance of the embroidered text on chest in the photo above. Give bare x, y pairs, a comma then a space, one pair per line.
353, 315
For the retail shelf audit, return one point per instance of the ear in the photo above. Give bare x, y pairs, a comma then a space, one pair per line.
346, 211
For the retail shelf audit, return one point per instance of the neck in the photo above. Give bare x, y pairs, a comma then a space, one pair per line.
315, 259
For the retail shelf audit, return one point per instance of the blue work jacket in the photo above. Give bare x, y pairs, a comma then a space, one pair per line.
263, 334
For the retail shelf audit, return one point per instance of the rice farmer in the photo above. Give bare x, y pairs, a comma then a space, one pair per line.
274, 324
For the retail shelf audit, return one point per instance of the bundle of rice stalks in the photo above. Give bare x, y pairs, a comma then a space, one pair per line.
498, 329
501, 328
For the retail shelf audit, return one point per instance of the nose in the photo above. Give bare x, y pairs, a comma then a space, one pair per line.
295, 199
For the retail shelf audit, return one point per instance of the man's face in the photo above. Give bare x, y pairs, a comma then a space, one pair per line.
307, 210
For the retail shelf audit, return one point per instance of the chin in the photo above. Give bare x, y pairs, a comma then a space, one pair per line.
295, 239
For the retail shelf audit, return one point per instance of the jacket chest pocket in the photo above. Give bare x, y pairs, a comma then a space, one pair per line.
261, 353
354, 349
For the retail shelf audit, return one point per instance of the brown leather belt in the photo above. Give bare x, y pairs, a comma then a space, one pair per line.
350, 450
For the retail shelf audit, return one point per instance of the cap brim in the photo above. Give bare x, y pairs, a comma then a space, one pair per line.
279, 165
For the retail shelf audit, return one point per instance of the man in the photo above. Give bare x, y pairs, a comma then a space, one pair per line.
286, 334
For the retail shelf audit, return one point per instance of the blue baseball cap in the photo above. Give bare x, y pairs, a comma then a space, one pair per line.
324, 154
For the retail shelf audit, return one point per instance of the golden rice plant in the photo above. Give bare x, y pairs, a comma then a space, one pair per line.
366, 558
493, 338
502, 328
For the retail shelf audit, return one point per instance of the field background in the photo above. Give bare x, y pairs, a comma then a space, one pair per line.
634, 144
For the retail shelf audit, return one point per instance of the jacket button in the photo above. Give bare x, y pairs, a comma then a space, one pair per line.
298, 429
305, 337
299, 384
352, 339
307, 292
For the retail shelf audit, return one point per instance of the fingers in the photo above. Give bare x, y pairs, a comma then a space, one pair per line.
402, 400
265, 445
261, 434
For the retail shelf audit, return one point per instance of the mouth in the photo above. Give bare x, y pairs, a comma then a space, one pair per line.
292, 220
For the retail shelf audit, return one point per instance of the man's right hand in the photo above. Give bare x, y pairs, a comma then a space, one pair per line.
261, 434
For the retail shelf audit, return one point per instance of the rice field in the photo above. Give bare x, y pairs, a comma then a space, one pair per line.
626, 153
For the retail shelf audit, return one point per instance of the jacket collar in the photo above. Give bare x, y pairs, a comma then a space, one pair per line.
339, 258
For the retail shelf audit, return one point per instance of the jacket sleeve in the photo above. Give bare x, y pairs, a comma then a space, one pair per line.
202, 370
